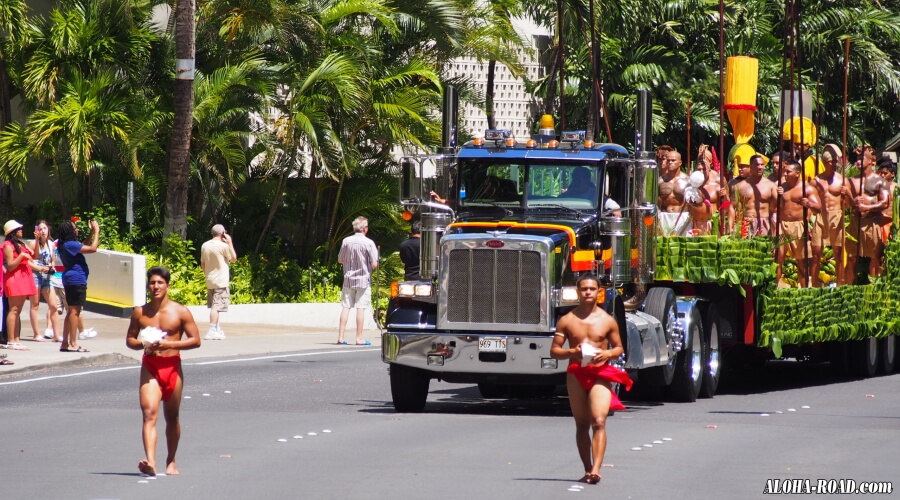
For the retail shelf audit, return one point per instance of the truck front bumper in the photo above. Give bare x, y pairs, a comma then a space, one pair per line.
460, 357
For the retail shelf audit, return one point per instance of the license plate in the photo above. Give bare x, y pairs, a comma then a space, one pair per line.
492, 344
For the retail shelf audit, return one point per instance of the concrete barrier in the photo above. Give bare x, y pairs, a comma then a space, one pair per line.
309, 315
118, 282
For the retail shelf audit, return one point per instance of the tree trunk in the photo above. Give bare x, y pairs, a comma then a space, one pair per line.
489, 95
276, 200
179, 153
334, 216
63, 202
312, 204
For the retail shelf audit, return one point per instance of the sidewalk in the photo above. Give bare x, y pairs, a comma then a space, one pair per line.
108, 347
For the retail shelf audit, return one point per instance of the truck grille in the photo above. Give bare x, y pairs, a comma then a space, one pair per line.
494, 286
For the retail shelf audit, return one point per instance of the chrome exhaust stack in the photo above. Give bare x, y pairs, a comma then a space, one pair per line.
646, 192
646, 189
435, 217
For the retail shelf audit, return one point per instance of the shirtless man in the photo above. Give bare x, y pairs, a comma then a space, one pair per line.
776, 168
865, 218
673, 217
589, 381
755, 197
887, 171
829, 229
161, 375
706, 205
794, 226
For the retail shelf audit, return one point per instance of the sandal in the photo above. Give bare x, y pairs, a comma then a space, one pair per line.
6, 362
18, 347
590, 478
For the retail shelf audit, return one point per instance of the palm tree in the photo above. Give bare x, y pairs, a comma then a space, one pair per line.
223, 127
12, 20
68, 132
81, 77
179, 152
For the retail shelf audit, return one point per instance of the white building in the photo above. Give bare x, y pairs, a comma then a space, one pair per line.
514, 108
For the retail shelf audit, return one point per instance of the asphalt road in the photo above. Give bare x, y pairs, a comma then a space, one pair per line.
320, 425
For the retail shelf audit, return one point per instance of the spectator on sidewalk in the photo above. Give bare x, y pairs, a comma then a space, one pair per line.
56, 287
215, 255
410, 250
18, 281
359, 256
44, 251
75, 277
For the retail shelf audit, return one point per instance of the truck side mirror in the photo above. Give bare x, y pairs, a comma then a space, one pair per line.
409, 182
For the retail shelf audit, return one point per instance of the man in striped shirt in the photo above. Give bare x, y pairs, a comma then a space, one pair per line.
359, 256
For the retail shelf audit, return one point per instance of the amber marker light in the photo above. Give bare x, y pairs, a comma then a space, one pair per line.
588, 144
510, 142
648, 220
407, 215
478, 141
530, 143
395, 289
547, 121
554, 143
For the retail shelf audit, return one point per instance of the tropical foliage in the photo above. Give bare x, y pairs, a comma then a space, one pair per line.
300, 107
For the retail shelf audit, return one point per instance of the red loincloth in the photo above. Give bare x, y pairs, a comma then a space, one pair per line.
587, 376
166, 370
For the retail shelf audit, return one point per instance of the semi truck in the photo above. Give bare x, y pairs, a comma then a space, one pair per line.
521, 220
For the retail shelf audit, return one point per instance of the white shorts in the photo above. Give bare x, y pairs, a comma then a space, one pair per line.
673, 223
359, 298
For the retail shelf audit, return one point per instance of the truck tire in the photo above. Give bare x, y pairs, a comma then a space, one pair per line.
689, 362
491, 390
864, 357
409, 388
660, 303
715, 327
887, 354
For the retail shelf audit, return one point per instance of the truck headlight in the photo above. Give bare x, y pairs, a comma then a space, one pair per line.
568, 294
414, 289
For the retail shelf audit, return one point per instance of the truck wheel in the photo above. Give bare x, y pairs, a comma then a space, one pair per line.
715, 326
887, 354
864, 357
660, 303
409, 388
490, 390
689, 366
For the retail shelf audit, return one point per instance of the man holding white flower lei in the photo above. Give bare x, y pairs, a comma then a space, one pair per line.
593, 339
162, 328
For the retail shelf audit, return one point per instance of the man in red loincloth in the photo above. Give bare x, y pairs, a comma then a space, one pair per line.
589, 380
161, 375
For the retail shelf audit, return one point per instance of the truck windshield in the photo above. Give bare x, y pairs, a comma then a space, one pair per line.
530, 185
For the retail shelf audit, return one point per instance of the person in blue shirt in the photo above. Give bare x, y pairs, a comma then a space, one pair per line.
75, 277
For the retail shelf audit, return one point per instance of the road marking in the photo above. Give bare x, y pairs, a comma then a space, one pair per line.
202, 363
92, 372
278, 356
